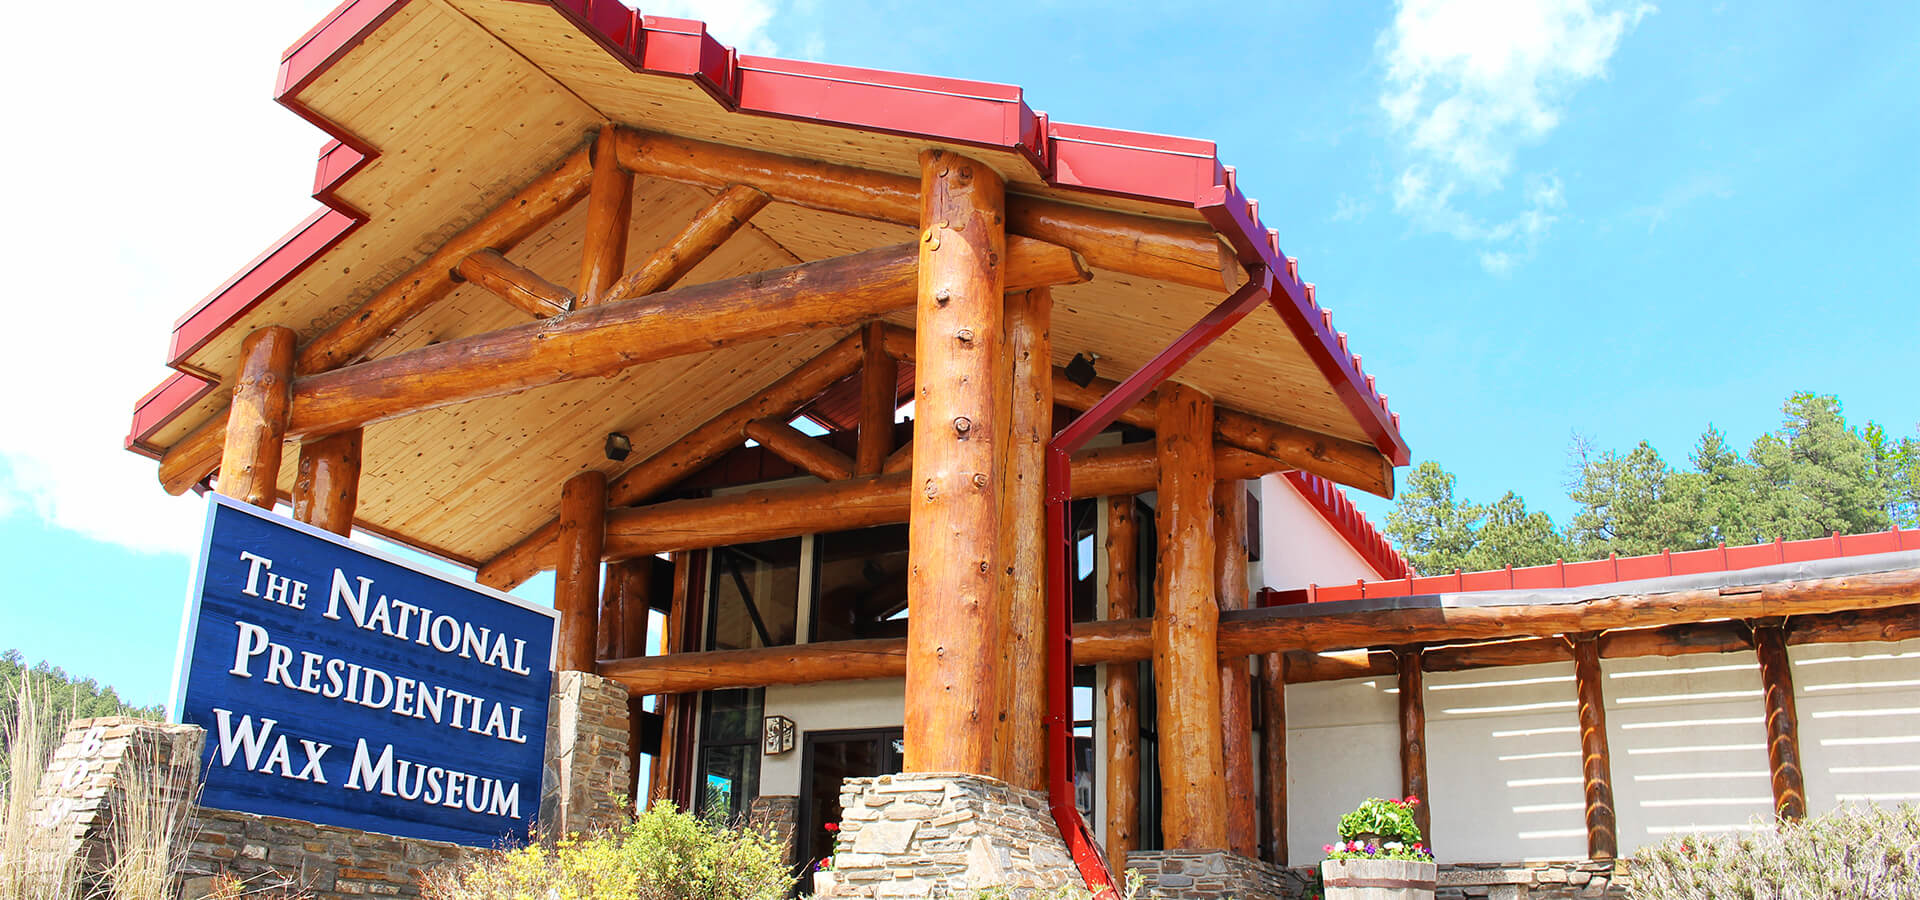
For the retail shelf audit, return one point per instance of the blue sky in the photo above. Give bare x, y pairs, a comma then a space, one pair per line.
1534, 219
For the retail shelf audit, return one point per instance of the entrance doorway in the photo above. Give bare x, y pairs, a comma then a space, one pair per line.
828, 757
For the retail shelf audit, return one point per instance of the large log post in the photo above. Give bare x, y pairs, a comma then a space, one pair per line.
1596, 765
609, 213
1413, 737
959, 459
1236, 682
1186, 657
328, 484
879, 399
1123, 687
1029, 348
1783, 723
257, 420
1273, 752
576, 583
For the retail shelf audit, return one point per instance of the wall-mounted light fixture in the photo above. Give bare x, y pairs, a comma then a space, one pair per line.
776, 735
618, 446
1080, 369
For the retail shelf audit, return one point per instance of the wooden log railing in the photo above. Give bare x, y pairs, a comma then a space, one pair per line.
1876, 606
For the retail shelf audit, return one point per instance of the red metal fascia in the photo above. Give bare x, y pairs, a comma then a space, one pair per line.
259, 278
1333, 505
683, 48
1133, 164
341, 31
178, 392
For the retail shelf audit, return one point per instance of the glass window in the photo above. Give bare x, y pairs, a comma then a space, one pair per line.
756, 593
729, 776
861, 590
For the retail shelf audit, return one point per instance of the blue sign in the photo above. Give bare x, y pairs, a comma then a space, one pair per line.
343, 686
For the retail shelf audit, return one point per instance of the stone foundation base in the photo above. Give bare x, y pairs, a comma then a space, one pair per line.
945, 835
1210, 875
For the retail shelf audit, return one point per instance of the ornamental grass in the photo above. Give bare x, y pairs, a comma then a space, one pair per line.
1868, 853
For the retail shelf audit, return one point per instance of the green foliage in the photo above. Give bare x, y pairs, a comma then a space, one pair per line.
63, 697
661, 855
1810, 477
1843, 855
1380, 829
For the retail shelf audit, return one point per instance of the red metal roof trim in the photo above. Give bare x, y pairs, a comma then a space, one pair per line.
1350, 523
1609, 570
1099, 160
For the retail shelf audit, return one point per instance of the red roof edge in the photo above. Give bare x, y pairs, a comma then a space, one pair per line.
1108, 161
1612, 569
1350, 523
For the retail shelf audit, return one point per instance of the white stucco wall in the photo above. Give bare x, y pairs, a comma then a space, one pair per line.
879, 703
1297, 545
1343, 746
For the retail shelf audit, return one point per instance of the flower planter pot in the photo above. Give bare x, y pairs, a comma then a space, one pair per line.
1378, 879
823, 883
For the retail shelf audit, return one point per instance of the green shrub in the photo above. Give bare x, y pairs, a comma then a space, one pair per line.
1380, 829
662, 855
1845, 854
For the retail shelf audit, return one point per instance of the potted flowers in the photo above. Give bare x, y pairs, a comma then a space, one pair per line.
824, 875
1381, 855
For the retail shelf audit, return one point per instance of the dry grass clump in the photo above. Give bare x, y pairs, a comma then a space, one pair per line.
1867, 854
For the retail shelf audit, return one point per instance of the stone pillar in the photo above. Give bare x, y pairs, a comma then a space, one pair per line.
936, 834
90, 777
587, 765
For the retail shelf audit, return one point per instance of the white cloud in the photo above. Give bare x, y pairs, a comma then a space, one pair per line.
1469, 84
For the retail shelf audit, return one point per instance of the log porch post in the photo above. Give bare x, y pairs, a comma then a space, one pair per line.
1597, 768
676, 710
1123, 687
257, 423
1783, 722
1186, 622
1413, 735
576, 583
1236, 683
1029, 346
955, 586
328, 485
1273, 751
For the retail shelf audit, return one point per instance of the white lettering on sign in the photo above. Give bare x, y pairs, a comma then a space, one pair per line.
430, 785
396, 619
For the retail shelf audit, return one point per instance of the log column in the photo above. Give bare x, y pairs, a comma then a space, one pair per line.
879, 383
609, 211
257, 421
1236, 682
576, 583
1029, 348
328, 484
1783, 723
955, 586
1597, 769
672, 766
1123, 687
1413, 735
1186, 622
1273, 751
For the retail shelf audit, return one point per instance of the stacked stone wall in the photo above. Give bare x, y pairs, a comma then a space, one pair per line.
942, 835
1211, 875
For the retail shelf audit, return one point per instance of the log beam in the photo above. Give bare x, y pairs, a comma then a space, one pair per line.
609, 214
604, 339
1413, 738
262, 394
532, 208
954, 584
1028, 343
728, 213
1186, 656
1182, 252
1236, 680
1596, 764
677, 460
1123, 687
1783, 723
327, 486
576, 585
812, 455
879, 400
521, 287
900, 460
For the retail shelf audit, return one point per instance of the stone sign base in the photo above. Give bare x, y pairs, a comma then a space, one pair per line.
1211, 875
928, 835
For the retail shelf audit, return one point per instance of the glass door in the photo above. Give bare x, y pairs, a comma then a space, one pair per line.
827, 758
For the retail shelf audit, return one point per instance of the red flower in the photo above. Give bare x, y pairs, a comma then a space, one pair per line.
1327, 849
1412, 800
833, 826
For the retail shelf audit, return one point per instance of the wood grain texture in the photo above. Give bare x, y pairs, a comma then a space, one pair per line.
1413, 738
812, 455
727, 214
1273, 757
576, 583
1236, 680
1783, 723
879, 381
1024, 564
676, 713
327, 483
1596, 764
256, 434
523, 288
609, 213
1186, 621
624, 604
796, 664
954, 583
1123, 686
